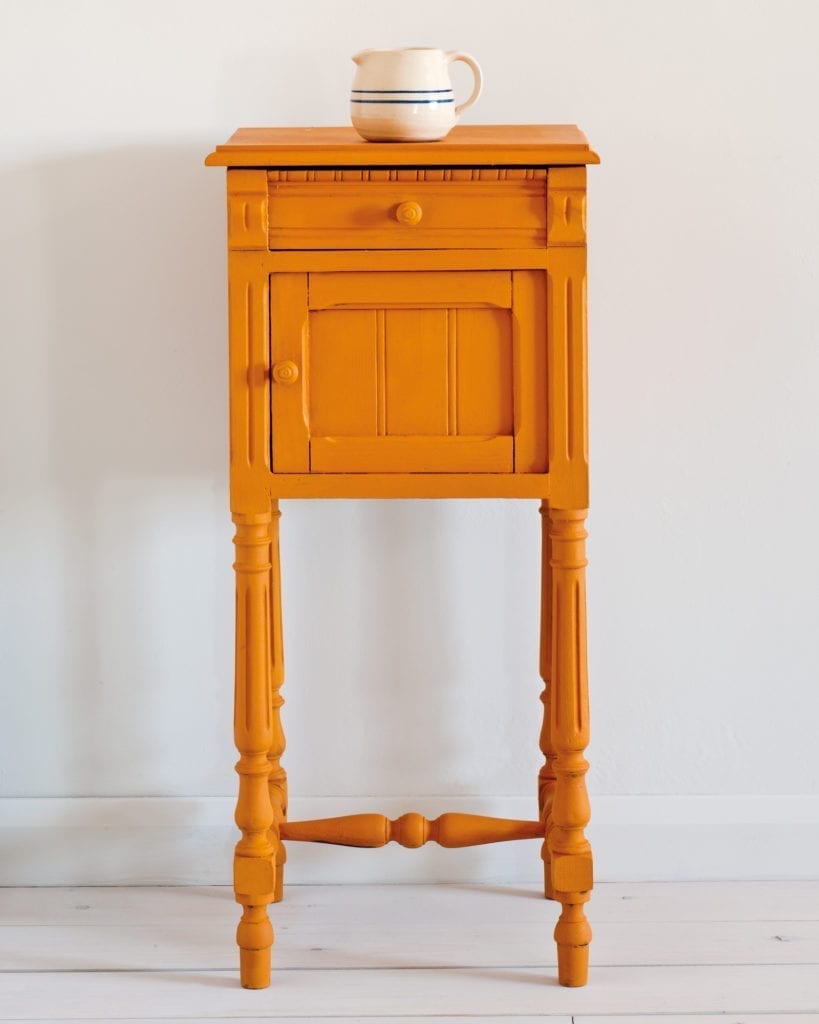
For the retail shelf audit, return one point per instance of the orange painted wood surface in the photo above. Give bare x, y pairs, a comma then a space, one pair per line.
408, 454
547, 779
411, 830
416, 289
466, 145
453, 258
254, 867
407, 215
408, 321
432, 371
409, 485
568, 735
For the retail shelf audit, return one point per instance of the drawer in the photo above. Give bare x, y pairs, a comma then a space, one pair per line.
428, 208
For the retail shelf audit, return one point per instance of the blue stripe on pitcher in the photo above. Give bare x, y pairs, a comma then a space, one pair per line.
426, 103
383, 92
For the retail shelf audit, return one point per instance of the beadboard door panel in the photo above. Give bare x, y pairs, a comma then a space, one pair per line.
421, 372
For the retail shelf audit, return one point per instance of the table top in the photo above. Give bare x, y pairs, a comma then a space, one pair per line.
466, 145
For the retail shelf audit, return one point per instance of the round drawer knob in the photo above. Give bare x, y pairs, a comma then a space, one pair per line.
409, 213
285, 373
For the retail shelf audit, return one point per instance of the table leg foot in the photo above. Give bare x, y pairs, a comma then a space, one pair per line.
254, 967
572, 965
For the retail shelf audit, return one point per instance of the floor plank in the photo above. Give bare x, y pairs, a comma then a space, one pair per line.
527, 1019
338, 904
515, 1019
390, 993
674, 1018
703, 1018
312, 944
438, 953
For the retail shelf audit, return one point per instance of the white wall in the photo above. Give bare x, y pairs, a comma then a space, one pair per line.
411, 628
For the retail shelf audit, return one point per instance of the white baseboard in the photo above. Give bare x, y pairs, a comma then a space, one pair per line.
189, 841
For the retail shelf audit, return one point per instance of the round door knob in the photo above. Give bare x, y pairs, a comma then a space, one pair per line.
286, 372
409, 213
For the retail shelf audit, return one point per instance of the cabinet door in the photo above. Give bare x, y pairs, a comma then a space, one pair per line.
402, 372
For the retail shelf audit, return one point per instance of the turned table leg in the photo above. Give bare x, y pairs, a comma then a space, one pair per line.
255, 858
546, 777
569, 720
277, 776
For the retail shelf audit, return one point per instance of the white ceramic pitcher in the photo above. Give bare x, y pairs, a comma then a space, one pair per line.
406, 95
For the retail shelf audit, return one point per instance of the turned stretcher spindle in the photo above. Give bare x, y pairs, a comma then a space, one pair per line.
410, 830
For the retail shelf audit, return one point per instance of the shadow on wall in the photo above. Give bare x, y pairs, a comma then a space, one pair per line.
137, 449
138, 314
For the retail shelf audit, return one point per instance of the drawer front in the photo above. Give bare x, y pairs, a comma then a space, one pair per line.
408, 209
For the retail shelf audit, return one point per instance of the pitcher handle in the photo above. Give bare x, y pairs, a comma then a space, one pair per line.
451, 57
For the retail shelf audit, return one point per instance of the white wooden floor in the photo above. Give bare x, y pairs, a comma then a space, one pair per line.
698, 952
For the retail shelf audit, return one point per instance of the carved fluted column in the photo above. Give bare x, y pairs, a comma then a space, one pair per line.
569, 718
277, 777
254, 861
546, 776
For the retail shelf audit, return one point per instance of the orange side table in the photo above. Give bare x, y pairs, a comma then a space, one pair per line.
408, 321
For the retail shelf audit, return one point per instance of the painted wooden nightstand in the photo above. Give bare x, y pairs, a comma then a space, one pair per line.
408, 320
